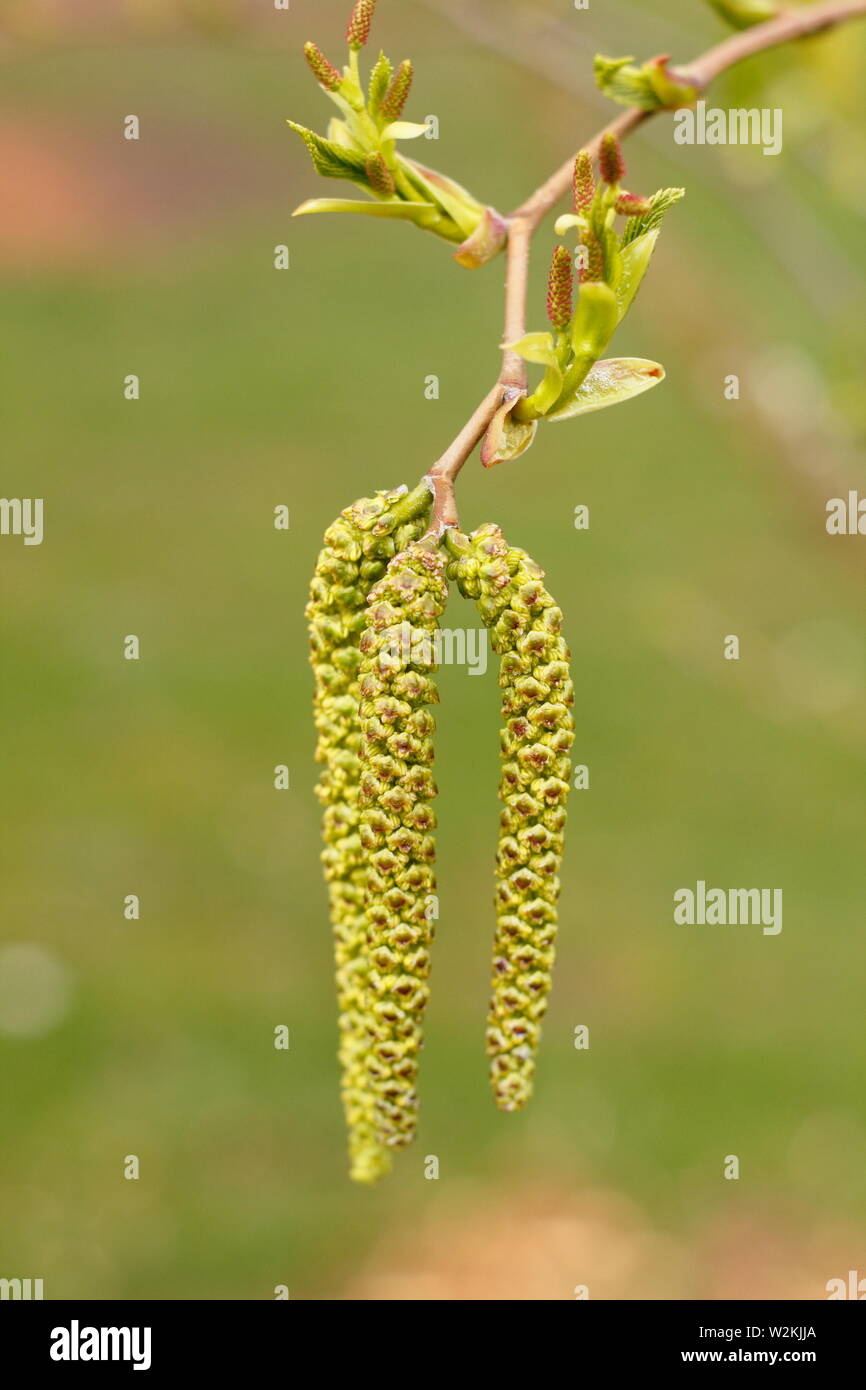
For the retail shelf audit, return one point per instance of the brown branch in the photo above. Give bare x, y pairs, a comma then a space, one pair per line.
792, 24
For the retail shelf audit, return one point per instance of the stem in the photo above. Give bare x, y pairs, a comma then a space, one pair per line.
440, 479
513, 371
522, 223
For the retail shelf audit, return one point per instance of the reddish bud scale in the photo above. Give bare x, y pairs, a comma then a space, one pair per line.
379, 176
584, 183
611, 164
395, 98
324, 72
560, 289
358, 30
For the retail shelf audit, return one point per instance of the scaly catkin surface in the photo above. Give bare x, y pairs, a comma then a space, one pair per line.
357, 548
397, 821
538, 730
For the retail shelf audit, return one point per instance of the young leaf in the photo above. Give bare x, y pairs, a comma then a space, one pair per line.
536, 347
409, 212
648, 221
404, 130
622, 81
635, 259
339, 134
610, 381
567, 221
454, 201
331, 160
548, 390
379, 79
594, 320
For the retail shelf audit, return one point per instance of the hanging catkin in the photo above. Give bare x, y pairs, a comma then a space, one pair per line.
537, 733
396, 685
356, 551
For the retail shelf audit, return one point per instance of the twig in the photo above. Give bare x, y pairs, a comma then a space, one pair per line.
792, 24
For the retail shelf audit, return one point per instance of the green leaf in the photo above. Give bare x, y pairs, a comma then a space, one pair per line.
536, 347
404, 130
595, 318
379, 79
330, 160
408, 212
635, 259
610, 381
660, 201
548, 390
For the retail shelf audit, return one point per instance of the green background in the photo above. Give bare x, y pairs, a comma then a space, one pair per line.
306, 387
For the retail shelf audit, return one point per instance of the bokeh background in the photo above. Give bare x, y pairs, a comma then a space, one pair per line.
306, 387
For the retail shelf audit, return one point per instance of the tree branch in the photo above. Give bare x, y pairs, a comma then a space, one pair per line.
523, 221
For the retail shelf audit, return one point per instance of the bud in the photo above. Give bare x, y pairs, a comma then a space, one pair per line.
632, 205
611, 164
584, 183
560, 288
358, 31
379, 176
395, 98
742, 14
324, 72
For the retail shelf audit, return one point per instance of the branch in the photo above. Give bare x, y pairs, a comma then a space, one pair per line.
524, 220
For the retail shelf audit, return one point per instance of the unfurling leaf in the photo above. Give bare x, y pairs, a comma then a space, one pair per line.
329, 159
650, 87
635, 259
404, 130
612, 380
379, 79
535, 347
568, 220
409, 212
647, 222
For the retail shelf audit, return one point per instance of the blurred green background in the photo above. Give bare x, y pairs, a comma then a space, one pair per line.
306, 387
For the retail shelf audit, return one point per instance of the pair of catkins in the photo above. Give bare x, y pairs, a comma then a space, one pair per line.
380, 587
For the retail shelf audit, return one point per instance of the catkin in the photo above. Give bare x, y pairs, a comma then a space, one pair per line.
396, 685
357, 548
537, 733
